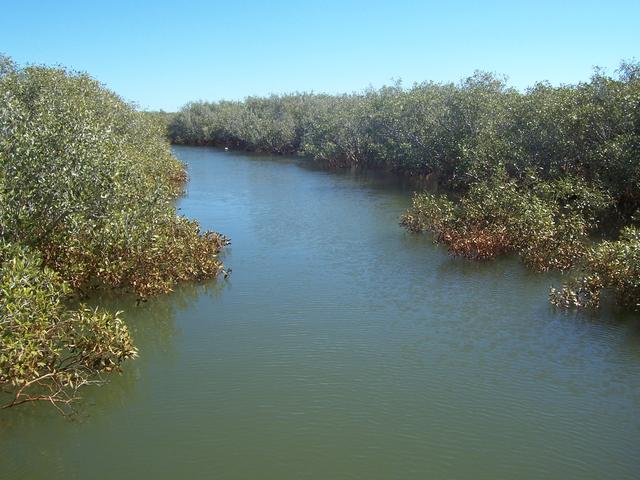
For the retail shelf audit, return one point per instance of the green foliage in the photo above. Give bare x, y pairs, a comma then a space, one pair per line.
87, 190
273, 124
610, 265
48, 350
90, 182
161, 119
546, 223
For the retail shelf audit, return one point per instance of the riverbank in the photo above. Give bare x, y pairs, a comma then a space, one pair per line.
534, 173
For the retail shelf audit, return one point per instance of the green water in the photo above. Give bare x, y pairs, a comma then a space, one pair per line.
343, 347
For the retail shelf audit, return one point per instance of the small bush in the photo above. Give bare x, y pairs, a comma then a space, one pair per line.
610, 265
47, 349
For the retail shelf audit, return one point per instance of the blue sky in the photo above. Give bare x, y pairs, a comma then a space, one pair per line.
163, 54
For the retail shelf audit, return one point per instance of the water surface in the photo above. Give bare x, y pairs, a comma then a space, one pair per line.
344, 347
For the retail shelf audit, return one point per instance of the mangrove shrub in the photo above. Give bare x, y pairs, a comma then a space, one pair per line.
87, 190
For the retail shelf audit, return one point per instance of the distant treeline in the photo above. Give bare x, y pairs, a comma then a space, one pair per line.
534, 173
460, 133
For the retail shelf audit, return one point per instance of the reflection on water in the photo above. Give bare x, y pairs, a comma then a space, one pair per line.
343, 347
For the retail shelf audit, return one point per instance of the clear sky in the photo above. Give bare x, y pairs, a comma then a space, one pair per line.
163, 54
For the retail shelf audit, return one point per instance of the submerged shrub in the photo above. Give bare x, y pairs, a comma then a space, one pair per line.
609, 265
546, 223
47, 350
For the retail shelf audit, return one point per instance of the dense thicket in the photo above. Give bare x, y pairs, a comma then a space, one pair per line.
546, 223
533, 173
87, 189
